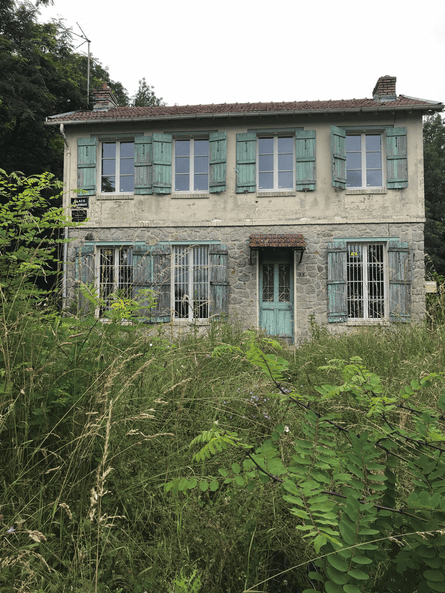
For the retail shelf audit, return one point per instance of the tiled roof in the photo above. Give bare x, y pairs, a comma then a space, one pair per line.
277, 241
228, 109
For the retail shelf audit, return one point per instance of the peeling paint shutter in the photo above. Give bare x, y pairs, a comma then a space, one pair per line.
161, 283
338, 149
219, 280
142, 274
162, 163
396, 158
305, 157
87, 165
399, 280
85, 275
337, 292
143, 165
245, 162
218, 156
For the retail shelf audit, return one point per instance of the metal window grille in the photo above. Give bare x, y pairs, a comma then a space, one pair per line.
115, 274
284, 283
191, 282
366, 281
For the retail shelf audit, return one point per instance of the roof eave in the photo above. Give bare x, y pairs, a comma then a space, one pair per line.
436, 107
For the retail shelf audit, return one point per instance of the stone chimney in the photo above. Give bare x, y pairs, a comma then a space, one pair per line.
385, 89
104, 98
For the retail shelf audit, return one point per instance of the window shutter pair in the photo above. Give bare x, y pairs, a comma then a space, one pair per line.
162, 162
398, 275
396, 158
246, 161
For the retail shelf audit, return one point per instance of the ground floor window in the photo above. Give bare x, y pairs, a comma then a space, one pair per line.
191, 281
115, 274
365, 264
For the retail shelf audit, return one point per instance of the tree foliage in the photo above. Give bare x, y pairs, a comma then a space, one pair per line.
434, 162
145, 96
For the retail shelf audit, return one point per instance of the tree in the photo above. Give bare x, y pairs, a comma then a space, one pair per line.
145, 96
434, 162
41, 75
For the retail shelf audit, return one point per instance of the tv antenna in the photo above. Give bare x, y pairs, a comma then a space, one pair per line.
85, 40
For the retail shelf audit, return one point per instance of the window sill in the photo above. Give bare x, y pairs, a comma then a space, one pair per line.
190, 196
366, 191
115, 197
190, 322
275, 194
366, 322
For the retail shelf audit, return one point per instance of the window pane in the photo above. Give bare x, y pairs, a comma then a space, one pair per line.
374, 178
127, 183
285, 179
373, 142
265, 145
201, 182
353, 143
354, 178
109, 167
109, 150
284, 283
353, 160
285, 162
373, 160
286, 145
127, 166
265, 162
127, 149
268, 283
201, 147
182, 165
182, 147
266, 180
201, 164
182, 182
108, 184
355, 281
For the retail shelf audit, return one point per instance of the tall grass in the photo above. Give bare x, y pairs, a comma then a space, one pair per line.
96, 419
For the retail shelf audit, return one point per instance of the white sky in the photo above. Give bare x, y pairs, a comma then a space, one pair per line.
198, 51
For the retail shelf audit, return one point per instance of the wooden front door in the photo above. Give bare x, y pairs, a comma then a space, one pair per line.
277, 293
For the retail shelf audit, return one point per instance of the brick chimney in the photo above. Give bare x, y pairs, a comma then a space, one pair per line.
385, 89
104, 98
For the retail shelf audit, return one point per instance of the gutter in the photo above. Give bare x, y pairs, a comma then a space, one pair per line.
424, 108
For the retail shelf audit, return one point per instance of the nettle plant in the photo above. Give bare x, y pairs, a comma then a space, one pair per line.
364, 477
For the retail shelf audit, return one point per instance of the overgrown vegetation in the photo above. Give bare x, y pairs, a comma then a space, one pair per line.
133, 461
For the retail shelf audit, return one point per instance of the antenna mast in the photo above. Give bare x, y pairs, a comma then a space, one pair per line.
85, 38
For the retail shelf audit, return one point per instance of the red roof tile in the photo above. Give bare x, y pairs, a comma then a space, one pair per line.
228, 109
290, 240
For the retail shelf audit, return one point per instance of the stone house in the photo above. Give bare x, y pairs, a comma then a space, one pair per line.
276, 213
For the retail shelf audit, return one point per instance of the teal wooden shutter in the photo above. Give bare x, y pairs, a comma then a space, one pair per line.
305, 160
142, 275
219, 280
162, 163
337, 291
85, 276
218, 156
338, 150
396, 158
245, 162
143, 165
161, 283
399, 280
87, 165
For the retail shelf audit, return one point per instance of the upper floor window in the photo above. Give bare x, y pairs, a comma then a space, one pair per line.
191, 165
364, 161
275, 157
117, 167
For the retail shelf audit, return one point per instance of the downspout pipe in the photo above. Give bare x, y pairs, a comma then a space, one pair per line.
66, 175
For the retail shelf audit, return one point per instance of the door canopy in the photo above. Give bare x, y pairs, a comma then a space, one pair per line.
295, 242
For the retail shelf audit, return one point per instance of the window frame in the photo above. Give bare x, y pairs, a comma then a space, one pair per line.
275, 171
190, 266
365, 282
191, 173
117, 272
117, 173
364, 169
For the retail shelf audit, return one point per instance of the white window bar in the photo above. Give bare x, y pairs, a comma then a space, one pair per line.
366, 281
191, 282
115, 274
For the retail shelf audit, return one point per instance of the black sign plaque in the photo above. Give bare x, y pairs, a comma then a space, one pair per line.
81, 201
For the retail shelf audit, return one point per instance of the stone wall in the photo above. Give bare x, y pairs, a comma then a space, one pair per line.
310, 275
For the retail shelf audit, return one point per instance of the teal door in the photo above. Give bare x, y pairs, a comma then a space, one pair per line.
277, 294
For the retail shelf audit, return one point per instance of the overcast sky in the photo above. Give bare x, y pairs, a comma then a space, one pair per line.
198, 51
